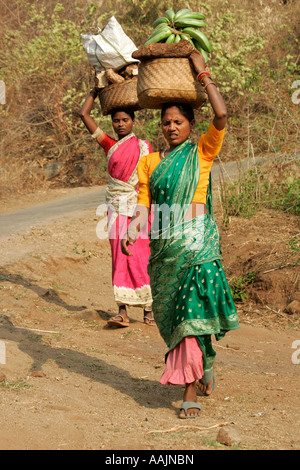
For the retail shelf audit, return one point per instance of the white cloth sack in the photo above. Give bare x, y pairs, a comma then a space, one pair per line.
110, 49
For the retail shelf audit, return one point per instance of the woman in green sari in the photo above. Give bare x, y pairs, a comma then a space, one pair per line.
191, 296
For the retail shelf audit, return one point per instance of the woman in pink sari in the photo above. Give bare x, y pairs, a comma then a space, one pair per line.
129, 274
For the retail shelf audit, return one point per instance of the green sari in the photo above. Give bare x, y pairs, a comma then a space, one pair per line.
191, 296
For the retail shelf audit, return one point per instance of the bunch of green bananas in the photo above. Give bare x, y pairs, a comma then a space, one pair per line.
181, 26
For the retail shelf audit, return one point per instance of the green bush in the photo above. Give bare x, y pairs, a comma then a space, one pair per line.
238, 286
231, 51
260, 187
285, 195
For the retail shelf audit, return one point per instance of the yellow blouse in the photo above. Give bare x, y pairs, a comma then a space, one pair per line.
209, 146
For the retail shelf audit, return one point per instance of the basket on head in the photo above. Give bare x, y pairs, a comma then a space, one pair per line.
119, 95
166, 80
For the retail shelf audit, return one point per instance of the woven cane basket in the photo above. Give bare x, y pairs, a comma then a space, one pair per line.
119, 95
168, 80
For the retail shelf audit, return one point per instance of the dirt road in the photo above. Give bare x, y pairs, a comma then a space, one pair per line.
69, 382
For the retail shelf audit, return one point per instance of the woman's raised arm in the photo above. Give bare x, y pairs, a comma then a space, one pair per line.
215, 98
85, 111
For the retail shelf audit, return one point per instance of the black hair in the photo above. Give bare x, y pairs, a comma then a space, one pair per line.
128, 111
185, 109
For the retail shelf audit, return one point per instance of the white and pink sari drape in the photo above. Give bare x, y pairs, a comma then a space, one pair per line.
130, 279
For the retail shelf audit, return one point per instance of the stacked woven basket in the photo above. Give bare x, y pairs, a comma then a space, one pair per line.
119, 95
164, 75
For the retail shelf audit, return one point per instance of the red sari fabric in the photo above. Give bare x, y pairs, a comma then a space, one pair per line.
124, 159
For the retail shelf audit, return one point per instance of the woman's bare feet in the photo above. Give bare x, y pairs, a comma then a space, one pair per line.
190, 395
123, 312
205, 389
121, 319
148, 318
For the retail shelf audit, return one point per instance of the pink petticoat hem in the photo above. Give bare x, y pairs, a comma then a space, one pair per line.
184, 363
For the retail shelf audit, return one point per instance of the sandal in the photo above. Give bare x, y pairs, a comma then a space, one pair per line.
187, 405
148, 318
118, 320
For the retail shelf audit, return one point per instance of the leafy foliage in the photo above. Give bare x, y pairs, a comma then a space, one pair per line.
238, 286
45, 46
47, 74
268, 187
230, 61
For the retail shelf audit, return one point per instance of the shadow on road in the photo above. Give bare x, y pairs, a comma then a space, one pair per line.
49, 295
147, 393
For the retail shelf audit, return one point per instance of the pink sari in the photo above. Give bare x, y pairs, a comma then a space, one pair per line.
130, 279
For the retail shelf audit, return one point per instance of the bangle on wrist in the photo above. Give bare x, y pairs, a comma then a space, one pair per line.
203, 74
209, 83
